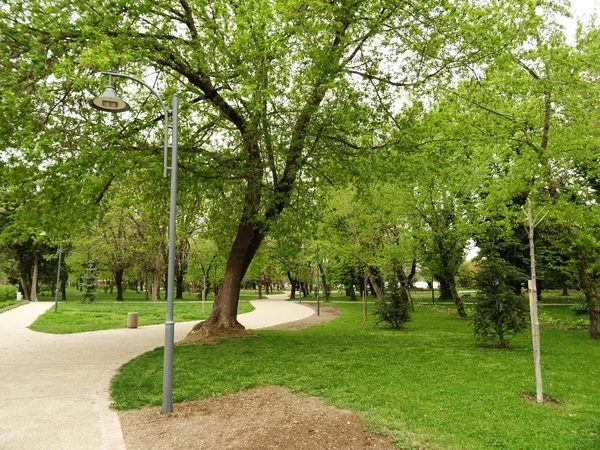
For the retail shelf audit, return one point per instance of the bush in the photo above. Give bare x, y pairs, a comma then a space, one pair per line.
8, 293
581, 308
394, 308
498, 310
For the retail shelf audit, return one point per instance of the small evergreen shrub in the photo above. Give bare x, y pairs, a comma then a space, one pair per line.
499, 311
394, 308
89, 282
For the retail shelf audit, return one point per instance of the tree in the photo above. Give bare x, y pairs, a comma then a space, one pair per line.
275, 92
499, 312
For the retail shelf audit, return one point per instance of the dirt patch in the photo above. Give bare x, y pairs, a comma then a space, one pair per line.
215, 335
268, 417
532, 398
327, 313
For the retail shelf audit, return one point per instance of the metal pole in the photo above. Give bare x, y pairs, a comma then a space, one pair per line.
57, 278
167, 405
317, 260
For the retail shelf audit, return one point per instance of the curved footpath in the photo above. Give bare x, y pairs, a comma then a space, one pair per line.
54, 388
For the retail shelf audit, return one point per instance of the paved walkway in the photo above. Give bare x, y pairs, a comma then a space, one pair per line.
54, 388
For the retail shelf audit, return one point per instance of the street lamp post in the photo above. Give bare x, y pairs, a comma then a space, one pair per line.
110, 102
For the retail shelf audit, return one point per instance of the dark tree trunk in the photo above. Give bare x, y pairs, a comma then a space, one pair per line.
326, 287
179, 286
293, 282
445, 290
259, 285
224, 313
156, 279
455, 297
119, 284
181, 266
565, 291
590, 288
406, 280
25, 289
34, 278
374, 285
63, 290
351, 293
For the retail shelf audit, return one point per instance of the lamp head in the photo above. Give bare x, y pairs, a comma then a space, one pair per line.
109, 102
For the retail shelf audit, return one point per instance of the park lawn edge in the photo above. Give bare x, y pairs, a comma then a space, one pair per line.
14, 306
137, 383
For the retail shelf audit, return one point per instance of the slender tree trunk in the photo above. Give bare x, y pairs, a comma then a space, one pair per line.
259, 285
533, 309
146, 286
119, 284
565, 291
405, 281
157, 277
460, 308
590, 289
205, 283
292, 284
63, 290
374, 284
326, 287
34, 278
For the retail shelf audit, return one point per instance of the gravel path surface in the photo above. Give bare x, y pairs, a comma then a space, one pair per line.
54, 388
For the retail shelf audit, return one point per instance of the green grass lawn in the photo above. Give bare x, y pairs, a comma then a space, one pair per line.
78, 317
430, 386
73, 295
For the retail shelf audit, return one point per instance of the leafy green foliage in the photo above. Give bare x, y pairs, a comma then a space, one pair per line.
8, 293
499, 311
394, 308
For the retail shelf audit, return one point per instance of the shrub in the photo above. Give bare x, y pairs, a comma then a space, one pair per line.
394, 308
89, 282
8, 293
581, 308
498, 310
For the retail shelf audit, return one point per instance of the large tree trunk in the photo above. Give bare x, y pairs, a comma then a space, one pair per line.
157, 278
119, 284
34, 278
25, 289
565, 291
445, 290
223, 318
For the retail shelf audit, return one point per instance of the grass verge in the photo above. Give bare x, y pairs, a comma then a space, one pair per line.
7, 305
79, 317
430, 386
